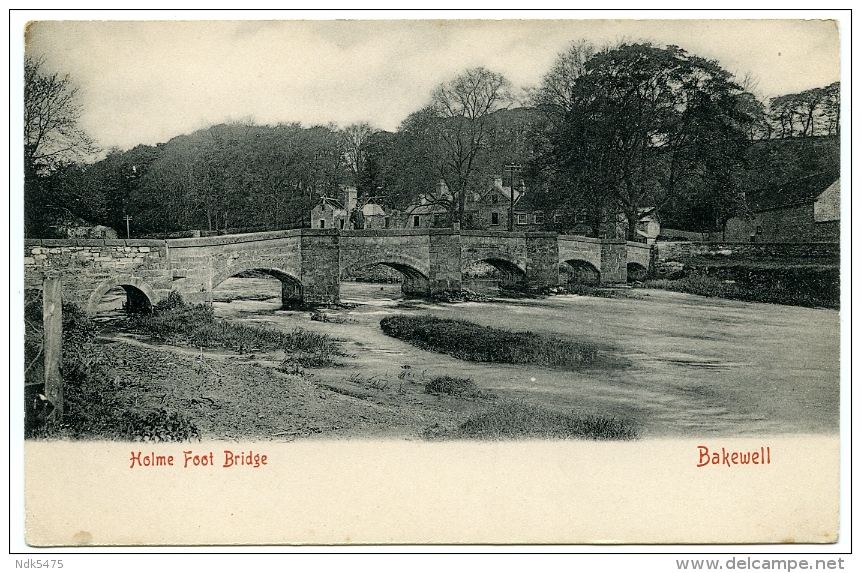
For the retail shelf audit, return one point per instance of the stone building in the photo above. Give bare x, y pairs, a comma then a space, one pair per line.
648, 225
490, 209
374, 216
805, 211
329, 213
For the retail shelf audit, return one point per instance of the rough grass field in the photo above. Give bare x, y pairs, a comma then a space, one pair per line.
476, 343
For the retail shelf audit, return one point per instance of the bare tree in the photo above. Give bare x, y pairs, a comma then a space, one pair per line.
353, 141
463, 106
51, 115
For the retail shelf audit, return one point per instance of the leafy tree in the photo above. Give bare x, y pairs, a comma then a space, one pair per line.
640, 126
51, 114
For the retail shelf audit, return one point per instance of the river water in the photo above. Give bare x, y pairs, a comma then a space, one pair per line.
676, 364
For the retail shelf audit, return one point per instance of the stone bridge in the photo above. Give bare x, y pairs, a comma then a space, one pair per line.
310, 263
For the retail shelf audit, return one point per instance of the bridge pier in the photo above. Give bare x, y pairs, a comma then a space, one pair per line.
291, 295
614, 261
444, 270
542, 260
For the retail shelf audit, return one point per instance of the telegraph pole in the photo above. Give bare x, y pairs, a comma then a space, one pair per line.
127, 218
511, 168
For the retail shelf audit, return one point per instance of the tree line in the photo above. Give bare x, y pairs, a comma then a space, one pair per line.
609, 133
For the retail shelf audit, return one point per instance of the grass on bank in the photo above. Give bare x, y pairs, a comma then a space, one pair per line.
92, 408
518, 420
809, 286
175, 322
470, 341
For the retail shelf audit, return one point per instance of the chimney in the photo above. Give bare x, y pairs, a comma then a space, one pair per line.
497, 182
441, 188
349, 198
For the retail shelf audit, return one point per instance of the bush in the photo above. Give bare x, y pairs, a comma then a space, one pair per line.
451, 386
517, 420
469, 341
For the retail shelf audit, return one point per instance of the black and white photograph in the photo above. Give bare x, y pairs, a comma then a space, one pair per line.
367, 280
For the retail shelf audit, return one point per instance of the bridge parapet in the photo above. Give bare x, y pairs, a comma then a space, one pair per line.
96, 265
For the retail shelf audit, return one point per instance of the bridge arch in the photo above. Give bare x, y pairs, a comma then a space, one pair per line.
291, 287
580, 271
636, 272
512, 273
140, 296
414, 271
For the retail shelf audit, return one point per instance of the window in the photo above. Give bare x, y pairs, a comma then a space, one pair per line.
415, 220
436, 220
388, 222
341, 221
557, 217
494, 218
322, 223
522, 218
469, 219
758, 229
494, 198
539, 218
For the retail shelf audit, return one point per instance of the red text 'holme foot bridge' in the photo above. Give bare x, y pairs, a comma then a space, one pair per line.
310, 262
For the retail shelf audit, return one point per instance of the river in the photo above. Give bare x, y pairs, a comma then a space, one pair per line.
680, 365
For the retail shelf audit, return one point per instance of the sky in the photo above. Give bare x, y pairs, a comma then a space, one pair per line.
144, 82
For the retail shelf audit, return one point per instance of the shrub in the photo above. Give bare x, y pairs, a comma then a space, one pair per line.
451, 386
470, 341
798, 285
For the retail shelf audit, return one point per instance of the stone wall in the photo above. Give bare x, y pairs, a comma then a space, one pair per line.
91, 267
824, 253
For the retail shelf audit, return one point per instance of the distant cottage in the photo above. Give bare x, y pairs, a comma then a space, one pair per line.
808, 210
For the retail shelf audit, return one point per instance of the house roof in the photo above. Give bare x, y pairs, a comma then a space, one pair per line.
428, 209
505, 191
334, 203
524, 203
798, 192
371, 208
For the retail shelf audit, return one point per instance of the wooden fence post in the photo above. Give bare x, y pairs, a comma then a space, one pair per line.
52, 344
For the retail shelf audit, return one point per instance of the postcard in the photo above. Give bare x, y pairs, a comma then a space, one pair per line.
431, 281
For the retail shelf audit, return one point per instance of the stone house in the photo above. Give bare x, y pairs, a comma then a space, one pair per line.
329, 213
804, 211
648, 225
374, 216
430, 211
489, 209
424, 216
